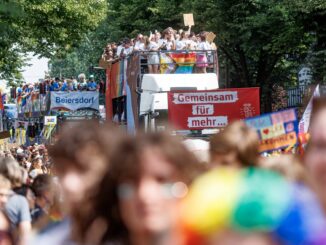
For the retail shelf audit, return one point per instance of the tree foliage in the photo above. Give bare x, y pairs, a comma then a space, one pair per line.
44, 27
124, 19
261, 43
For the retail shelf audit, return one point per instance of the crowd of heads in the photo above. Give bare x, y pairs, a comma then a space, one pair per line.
168, 39
108, 187
27, 192
59, 84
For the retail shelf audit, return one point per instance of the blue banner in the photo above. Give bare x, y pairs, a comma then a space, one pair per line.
73, 101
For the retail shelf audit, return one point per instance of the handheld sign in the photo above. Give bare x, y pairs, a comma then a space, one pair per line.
188, 19
50, 120
210, 37
277, 130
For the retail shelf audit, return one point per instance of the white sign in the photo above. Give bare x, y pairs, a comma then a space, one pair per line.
188, 19
203, 110
74, 100
50, 120
207, 122
305, 76
205, 97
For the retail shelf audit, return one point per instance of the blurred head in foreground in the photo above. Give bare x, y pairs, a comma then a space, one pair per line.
5, 190
236, 146
148, 176
81, 156
289, 166
315, 156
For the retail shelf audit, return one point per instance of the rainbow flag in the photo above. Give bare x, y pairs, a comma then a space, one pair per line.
185, 62
167, 65
19, 103
118, 78
35, 103
24, 101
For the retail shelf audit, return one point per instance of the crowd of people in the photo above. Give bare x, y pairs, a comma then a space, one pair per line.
102, 186
27, 192
153, 46
59, 84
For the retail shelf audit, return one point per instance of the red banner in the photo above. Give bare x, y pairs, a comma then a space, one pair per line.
196, 110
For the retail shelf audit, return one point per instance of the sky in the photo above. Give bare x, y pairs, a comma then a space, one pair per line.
36, 70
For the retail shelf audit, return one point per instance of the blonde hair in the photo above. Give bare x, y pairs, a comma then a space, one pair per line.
10, 169
239, 139
4, 182
147, 40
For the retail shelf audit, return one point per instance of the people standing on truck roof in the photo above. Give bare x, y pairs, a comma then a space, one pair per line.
91, 84
70, 85
153, 59
140, 43
202, 61
64, 86
55, 85
192, 43
181, 44
125, 49
168, 40
167, 43
82, 82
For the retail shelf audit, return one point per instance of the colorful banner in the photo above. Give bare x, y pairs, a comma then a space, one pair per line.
276, 130
121, 80
74, 101
197, 110
50, 120
32, 105
133, 72
118, 75
185, 62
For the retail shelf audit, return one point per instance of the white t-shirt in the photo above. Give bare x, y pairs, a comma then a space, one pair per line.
153, 46
181, 44
139, 46
167, 43
204, 46
119, 49
126, 52
193, 45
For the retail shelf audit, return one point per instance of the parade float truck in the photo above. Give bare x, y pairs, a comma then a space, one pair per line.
179, 96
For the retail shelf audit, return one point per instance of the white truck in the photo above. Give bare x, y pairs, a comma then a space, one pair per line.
153, 97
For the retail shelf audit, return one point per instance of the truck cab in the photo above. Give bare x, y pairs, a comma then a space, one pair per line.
153, 98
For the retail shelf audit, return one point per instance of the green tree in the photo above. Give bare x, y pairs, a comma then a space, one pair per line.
44, 27
261, 43
124, 19
10, 60
312, 15
256, 37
